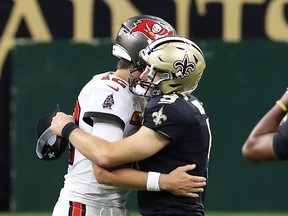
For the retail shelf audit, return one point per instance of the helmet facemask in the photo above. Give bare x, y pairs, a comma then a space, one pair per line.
148, 88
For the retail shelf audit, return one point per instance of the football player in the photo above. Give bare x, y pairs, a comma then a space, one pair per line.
175, 129
268, 141
106, 108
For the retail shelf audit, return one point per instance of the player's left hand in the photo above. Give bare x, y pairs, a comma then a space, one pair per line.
59, 121
180, 183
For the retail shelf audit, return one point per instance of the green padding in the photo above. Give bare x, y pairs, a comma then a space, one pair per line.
240, 84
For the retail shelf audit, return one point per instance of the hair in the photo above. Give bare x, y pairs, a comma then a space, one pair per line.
124, 64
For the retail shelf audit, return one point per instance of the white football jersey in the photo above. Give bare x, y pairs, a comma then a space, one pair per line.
104, 98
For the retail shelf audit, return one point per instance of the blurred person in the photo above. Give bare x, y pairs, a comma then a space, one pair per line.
175, 129
106, 108
268, 141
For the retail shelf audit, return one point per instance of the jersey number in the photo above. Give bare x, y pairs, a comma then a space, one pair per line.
199, 106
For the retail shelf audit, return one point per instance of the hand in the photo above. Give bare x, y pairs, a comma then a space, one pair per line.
180, 183
59, 121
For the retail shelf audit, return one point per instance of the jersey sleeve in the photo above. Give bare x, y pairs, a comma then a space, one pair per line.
107, 130
104, 103
280, 142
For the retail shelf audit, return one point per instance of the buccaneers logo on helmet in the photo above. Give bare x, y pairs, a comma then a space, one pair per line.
151, 29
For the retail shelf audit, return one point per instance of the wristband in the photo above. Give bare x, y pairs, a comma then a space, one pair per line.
153, 181
67, 129
286, 92
282, 105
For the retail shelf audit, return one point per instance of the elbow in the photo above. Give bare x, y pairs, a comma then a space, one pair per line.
103, 159
245, 151
249, 152
102, 180
100, 176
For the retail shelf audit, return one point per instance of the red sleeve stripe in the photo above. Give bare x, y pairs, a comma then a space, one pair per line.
77, 209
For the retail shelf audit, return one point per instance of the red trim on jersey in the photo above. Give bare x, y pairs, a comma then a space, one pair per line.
77, 209
76, 113
71, 154
119, 81
115, 79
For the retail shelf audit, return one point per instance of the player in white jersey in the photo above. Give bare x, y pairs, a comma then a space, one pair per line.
106, 108
104, 97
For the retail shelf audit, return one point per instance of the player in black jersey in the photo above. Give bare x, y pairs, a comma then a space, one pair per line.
175, 66
268, 141
175, 129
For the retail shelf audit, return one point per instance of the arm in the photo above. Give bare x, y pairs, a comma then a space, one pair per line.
110, 154
259, 145
177, 182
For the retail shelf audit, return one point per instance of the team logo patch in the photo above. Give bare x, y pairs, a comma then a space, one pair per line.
109, 102
185, 67
151, 29
159, 117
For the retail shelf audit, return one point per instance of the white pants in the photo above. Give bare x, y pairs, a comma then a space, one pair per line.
66, 208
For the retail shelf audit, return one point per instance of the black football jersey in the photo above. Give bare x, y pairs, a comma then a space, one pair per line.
280, 142
183, 121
